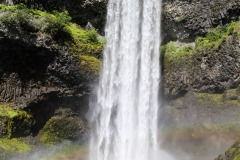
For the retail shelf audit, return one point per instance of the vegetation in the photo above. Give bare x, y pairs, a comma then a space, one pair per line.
90, 65
56, 24
14, 145
209, 99
215, 37
177, 49
213, 40
58, 129
232, 153
13, 120
177, 54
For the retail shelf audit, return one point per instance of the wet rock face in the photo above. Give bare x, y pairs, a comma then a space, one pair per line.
209, 71
184, 19
29, 72
39, 76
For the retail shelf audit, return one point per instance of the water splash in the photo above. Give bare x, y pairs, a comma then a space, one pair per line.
126, 112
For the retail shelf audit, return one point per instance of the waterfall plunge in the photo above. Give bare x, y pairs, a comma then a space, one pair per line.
126, 112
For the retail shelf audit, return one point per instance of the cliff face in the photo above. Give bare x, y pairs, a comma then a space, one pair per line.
45, 80
183, 20
211, 71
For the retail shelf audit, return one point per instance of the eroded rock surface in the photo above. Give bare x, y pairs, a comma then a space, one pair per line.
211, 71
39, 76
185, 19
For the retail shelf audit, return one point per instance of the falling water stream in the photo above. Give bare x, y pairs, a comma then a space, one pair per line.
126, 112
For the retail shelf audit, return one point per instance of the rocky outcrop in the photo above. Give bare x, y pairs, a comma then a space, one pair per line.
185, 19
41, 76
34, 67
211, 71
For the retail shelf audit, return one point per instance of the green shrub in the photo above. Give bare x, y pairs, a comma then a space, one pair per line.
56, 24
215, 37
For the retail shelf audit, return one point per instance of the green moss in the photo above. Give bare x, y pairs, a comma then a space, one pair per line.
13, 120
14, 145
207, 99
217, 100
236, 155
56, 24
231, 150
215, 37
177, 49
59, 128
177, 54
84, 42
89, 65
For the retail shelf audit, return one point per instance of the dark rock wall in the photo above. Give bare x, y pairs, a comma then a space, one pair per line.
41, 77
185, 19
207, 71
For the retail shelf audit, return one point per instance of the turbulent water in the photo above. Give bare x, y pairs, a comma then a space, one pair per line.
126, 112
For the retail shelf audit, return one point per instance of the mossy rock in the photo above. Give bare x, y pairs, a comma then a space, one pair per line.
14, 122
89, 66
60, 128
208, 99
177, 55
14, 145
233, 153
57, 25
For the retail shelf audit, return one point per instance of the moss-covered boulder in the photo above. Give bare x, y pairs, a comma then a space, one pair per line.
13, 122
14, 146
64, 126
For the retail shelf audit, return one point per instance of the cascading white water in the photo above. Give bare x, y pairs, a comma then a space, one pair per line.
126, 112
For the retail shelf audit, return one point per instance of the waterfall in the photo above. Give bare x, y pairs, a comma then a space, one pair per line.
126, 112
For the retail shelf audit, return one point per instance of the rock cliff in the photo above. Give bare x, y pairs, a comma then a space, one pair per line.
45, 80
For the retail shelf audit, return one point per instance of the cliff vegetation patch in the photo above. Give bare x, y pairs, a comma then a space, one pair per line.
56, 24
